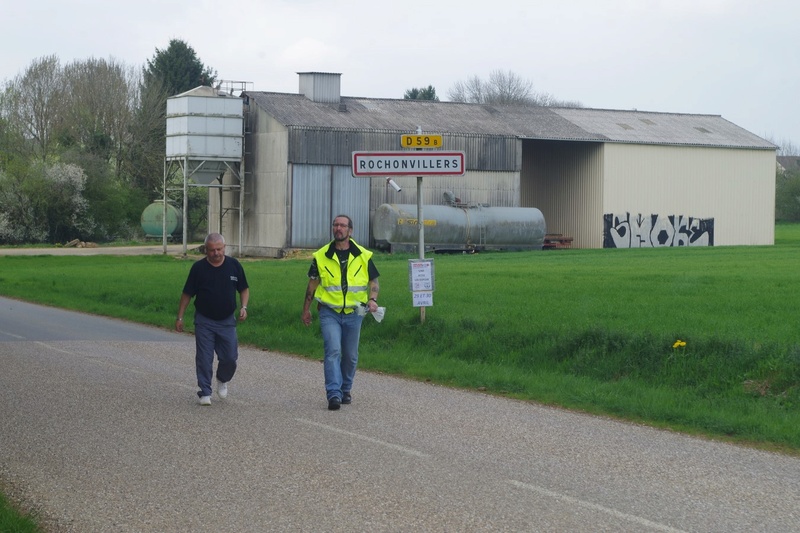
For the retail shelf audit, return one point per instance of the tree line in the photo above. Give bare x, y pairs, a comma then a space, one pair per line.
82, 145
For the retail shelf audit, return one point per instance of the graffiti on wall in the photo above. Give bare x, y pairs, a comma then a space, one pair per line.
653, 231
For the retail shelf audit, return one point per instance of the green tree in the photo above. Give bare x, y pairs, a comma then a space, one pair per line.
178, 69
172, 71
423, 93
12, 144
44, 205
787, 196
115, 205
81, 150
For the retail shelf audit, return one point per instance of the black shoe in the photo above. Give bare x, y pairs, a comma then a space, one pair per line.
334, 404
346, 398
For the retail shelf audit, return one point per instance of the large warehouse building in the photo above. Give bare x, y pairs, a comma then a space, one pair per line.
605, 178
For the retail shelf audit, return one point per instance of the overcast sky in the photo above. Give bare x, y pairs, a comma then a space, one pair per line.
736, 58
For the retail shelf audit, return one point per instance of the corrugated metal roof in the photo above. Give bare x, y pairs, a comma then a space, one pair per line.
530, 122
663, 128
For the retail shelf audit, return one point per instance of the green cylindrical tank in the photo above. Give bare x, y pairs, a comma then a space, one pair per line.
153, 219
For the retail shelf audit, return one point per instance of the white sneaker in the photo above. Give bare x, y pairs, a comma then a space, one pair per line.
222, 389
205, 400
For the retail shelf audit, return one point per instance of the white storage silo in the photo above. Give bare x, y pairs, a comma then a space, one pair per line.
205, 138
204, 126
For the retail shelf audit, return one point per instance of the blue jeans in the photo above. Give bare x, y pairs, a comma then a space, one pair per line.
340, 336
214, 336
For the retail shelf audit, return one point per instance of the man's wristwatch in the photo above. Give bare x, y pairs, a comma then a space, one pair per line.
374, 300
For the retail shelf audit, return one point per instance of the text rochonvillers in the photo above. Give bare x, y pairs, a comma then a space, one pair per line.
389, 163
408, 163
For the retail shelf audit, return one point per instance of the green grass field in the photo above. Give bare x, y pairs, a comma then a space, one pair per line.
701, 340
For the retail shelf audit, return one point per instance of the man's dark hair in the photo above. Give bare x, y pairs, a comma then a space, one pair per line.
349, 220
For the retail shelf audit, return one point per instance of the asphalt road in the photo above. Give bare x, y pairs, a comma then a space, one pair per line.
100, 431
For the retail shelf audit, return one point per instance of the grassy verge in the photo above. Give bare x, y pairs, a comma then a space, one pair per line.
702, 340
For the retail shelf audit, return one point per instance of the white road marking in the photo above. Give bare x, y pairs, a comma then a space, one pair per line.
40, 343
11, 335
397, 447
613, 512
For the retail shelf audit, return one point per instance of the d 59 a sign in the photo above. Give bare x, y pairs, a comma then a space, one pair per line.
420, 140
416, 163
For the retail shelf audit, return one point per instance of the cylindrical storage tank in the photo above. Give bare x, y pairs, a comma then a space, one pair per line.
153, 219
205, 125
462, 226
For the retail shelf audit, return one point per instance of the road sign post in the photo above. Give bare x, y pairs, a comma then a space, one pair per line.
419, 162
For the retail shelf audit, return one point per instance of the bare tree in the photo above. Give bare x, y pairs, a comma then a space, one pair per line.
144, 161
508, 88
32, 103
100, 105
471, 91
503, 88
785, 147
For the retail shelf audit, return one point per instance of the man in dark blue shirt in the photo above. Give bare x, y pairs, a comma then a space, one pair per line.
213, 283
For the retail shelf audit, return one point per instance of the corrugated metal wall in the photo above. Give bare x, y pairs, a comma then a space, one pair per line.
329, 146
321, 192
735, 187
564, 181
311, 150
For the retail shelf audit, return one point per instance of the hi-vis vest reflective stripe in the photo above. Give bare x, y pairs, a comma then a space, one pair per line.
329, 291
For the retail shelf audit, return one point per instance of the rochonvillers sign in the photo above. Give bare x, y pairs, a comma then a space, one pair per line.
405, 163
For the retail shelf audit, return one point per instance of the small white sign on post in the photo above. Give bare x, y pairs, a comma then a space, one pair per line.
422, 298
421, 281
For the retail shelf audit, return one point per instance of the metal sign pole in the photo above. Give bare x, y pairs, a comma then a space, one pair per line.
421, 224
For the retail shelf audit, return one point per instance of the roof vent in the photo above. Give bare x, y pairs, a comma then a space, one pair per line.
701, 129
321, 87
624, 126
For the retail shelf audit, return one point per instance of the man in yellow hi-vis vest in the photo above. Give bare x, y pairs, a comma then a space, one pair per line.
344, 281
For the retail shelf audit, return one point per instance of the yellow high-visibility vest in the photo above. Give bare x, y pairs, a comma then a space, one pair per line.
329, 292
